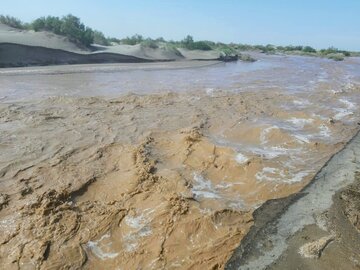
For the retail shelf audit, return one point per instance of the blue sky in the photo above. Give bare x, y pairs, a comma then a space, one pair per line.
318, 23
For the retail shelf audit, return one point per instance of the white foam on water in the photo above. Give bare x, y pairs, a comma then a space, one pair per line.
348, 103
97, 248
342, 113
302, 138
349, 86
203, 188
269, 174
210, 91
302, 102
321, 117
336, 91
323, 76
139, 226
272, 152
300, 122
132, 239
278, 175
324, 131
241, 159
298, 177
237, 205
264, 133
135, 222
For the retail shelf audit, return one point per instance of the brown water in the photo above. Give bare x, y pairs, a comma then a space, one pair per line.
166, 177
294, 74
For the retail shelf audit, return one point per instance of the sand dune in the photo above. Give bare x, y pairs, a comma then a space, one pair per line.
16, 55
24, 48
40, 39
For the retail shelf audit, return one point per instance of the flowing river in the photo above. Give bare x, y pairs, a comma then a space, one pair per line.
160, 165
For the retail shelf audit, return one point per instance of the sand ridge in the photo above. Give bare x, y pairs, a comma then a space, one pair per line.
20, 48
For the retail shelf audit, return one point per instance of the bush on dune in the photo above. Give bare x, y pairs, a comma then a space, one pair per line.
189, 43
333, 50
308, 49
12, 22
69, 26
172, 47
335, 56
49, 23
227, 50
114, 40
150, 43
100, 39
246, 58
266, 49
133, 40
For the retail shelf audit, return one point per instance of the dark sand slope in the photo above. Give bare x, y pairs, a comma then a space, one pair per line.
319, 228
20, 48
18, 55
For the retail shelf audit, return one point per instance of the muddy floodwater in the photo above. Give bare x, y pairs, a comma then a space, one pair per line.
160, 166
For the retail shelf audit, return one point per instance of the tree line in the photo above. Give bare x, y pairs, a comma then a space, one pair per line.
69, 26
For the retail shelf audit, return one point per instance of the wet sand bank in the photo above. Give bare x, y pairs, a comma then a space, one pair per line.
296, 231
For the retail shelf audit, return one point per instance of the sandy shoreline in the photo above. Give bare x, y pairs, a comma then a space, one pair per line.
106, 67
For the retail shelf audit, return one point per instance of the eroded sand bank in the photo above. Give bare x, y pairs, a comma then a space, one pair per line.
318, 228
159, 181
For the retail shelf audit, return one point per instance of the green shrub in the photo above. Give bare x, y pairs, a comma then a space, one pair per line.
200, 45
135, 39
330, 50
261, 48
160, 39
69, 26
293, 48
333, 52
246, 58
335, 56
265, 49
244, 47
171, 47
100, 39
49, 23
189, 43
308, 49
115, 40
150, 43
227, 50
12, 22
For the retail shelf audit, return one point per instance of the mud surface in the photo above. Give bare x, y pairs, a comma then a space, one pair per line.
158, 180
335, 244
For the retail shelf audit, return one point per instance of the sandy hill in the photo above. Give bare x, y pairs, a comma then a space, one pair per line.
24, 48
41, 39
